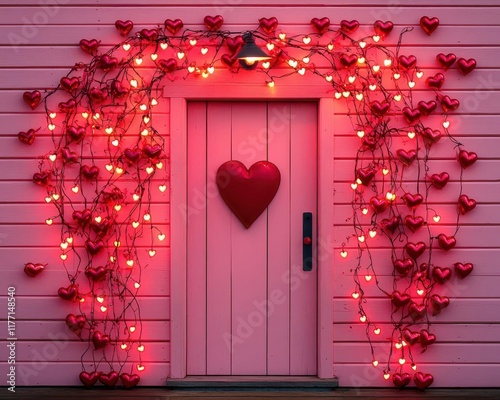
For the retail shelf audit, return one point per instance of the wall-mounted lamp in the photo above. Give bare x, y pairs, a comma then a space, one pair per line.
250, 54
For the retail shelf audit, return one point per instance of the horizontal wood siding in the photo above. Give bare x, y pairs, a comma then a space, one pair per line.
38, 46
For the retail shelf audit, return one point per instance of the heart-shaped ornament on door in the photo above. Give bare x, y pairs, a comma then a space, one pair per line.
248, 192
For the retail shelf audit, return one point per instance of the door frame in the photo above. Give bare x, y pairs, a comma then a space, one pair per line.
178, 224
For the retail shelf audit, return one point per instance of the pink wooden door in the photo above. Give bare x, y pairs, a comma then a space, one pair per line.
251, 309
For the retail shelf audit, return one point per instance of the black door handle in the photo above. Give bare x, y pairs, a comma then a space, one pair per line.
307, 239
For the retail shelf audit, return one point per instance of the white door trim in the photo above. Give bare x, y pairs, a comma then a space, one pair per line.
178, 236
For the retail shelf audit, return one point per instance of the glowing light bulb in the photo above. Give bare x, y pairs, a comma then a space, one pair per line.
53, 157
364, 211
126, 46
387, 376
134, 83
154, 56
360, 134
164, 46
376, 331
420, 292
361, 238
361, 60
266, 65
85, 115
376, 38
112, 259
368, 278
397, 97
137, 285
329, 78
446, 124
138, 60
115, 142
355, 295
117, 243
154, 102
140, 348
146, 119
362, 318
402, 361
123, 346
398, 345
132, 329
109, 167
385, 171
420, 74
193, 42
143, 107
359, 96
306, 60
135, 224
75, 189
119, 170
372, 233
343, 254
205, 74
436, 218
100, 299
96, 116
64, 245
387, 62
330, 46
306, 40
180, 55
48, 199
104, 308
52, 115
282, 36
396, 76
374, 363
414, 367
140, 367
63, 257
372, 87
411, 135
346, 94
147, 217
118, 207
302, 71
354, 186
204, 50
69, 239
338, 95
162, 188
362, 44
270, 84
270, 46
51, 127
150, 170
152, 253
82, 299
390, 196
145, 132
49, 221
376, 68
130, 263
109, 130
161, 237
136, 197
411, 84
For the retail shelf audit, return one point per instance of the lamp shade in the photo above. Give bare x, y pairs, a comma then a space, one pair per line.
250, 54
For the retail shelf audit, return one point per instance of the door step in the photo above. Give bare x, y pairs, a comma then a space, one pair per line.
253, 383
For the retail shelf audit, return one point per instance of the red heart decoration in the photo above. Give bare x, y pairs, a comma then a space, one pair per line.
169, 65
383, 28
69, 293
101, 228
109, 379
76, 132
429, 25
415, 250
213, 23
89, 46
149, 34
403, 266
27, 137
448, 104
406, 63
412, 200
431, 136
89, 172
33, 269
98, 95
426, 338
365, 175
466, 66
379, 204
378, 108
129, 381
426, 107
349, 26
268, 25
438, 303
321, 25
89, 379
436, 81
411, 115
118, 90
75, 323
462, 270
100, 340
439, 181
446, 242
69, 84
401, 380
96, 273
132, 155
348, 60
446, 61
94, 247
82, 217
41, 178
228, 60
417, 311
107, 63
411, 337
124, 27
400, 299
67, 106
174, 26
465, 204
390, 224
406, 157
69, 156
413, 223
152, 151
466, 158
248, 192
422, 380
234, 44
32, 98
441, 275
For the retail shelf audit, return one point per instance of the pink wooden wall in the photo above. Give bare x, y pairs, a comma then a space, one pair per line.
468, 353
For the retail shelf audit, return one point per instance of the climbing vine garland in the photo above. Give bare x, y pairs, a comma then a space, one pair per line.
109, 161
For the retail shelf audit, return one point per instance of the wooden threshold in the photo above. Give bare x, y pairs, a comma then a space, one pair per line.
253, 382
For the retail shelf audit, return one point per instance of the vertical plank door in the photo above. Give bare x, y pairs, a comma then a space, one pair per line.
252, 310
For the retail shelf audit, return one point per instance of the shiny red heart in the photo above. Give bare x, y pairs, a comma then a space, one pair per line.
448, 104
69, 156
403, 266
429, 25
426, 107
406, 157
466, 66
422, 380
446, 242
100, 340
234, 44
413, 223
431, 136
321, 25
401, 380
390, 224
90, 172
379, 108
76, 132
213, 23
349, 26
75, 323
400, 299
32, 98
149, 34
67, 106
463, 270
107, 63
174, 26
436, 81
426, 338
152, 151
109, 379
228, 60
365, 175
89, 46
94, 247
406, 63
379, 204
69, 84
348, 60
415, 250
412, 200
411, 115
69, 293
417, 311
82, 217
98, 95
96, 273
446, 61
129, 381
118, 90
101, 228
441, 275
466, 158
439, 181
438, 303
89, 379
132, 154
124, 27
169, 65
411, 337
41, 178
34, 269
465, 204
248, 192
268, 25
27, 137
383, 28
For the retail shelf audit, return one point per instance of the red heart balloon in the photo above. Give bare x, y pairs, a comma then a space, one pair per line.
415, 250
379, 204
89, 46
248, 192
98, 95
321, 25
124, 27
349, 26
426, 107
152, 151
429, 25
75, 323
129, 381
90, 172
69, 156
446, 242
466, 158
406, 157
379, 108
34, 269
412, 200
42, 178
82, 217
67, 106
438, 303
400, 299
268, 25
422, 380
413, 223
465, 204
149, 34
96, 273
32, 98
411, 115
441, 275
89, 379
436, 81
466, 66
100, 340
94, 247
234, 44
403, 266
132, 155
448, 104
439, 181
383, 28
169, 65
27, 137
69, 293
365, 175
118, 90
174, 26
431, 136
76, 132
390, 224
69, 84
107, 63
463, 270
109, 379
348, 60
401, 380
411, 337
417, 311
446, 61
406, 63
426, 338
101, 228
228, 60
213, 23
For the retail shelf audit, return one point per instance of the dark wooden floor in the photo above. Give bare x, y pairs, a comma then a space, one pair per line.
54, 393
